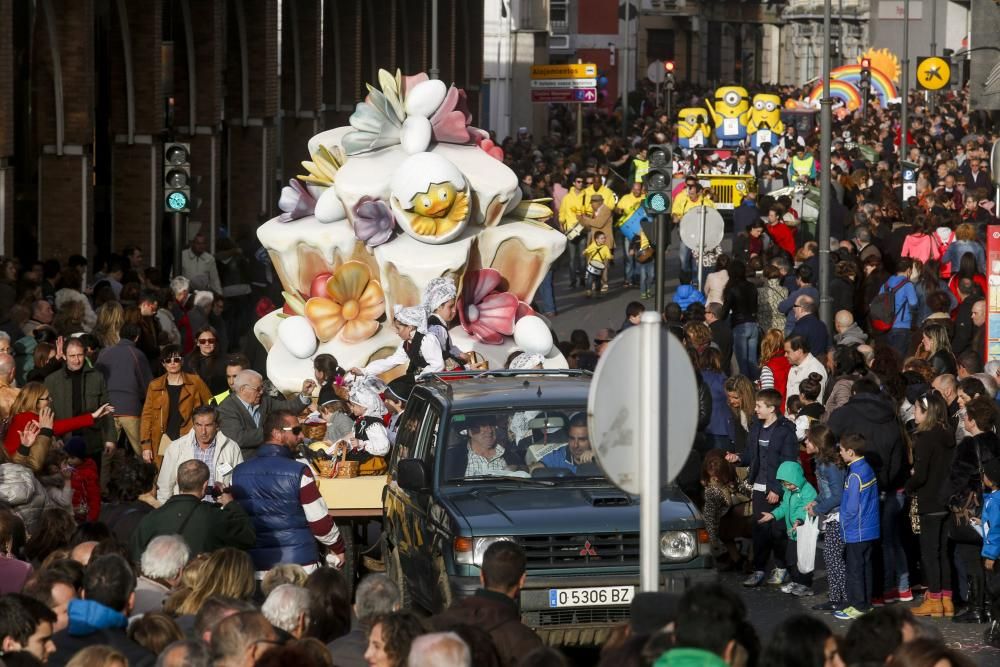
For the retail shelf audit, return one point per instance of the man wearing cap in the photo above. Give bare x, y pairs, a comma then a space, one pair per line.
482, 454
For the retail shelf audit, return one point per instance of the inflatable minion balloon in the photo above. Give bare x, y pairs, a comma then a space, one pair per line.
765, 126
693, 129
730, 114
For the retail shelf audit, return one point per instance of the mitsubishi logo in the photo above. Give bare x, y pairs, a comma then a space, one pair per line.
588, 549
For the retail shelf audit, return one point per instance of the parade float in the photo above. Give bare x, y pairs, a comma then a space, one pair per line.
410, 191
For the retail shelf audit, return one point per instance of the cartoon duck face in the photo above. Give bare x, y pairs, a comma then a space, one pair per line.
430, 198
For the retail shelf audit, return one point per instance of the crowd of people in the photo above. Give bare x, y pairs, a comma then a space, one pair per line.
154, 508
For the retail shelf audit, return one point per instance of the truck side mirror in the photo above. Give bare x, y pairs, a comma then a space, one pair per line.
412, 475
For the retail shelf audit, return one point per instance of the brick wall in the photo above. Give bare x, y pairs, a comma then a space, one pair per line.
76, 48
251, 195
65, 207
135, 190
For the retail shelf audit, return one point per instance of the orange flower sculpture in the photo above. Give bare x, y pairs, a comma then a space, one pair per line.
353, 308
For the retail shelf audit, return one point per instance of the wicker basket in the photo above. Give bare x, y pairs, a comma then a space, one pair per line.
327, 467
314, 430
477, 362
346, 468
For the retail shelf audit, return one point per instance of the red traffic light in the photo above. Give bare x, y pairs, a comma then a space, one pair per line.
866, 63
669, 66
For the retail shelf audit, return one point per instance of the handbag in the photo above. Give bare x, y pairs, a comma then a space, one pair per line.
806, 538
968, 504
645, 255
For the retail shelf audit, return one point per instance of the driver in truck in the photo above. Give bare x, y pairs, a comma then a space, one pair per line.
576, 455
482, 455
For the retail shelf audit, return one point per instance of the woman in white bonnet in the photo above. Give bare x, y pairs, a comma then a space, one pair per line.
439, 301
419, 348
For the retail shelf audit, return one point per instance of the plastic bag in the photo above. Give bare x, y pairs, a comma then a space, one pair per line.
806, 538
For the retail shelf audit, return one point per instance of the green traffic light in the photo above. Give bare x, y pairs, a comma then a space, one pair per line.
657, 202
177, 201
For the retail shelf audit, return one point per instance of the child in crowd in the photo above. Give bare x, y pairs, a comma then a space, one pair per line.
830, 472
370, 444
597, 255
329, 376
440, 298
85, 480
770, 442
797, 497
633, 314
991, 545
643, 254
810, 410
396, 396
860, 525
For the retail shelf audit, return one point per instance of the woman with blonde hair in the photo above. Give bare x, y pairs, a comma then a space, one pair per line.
32, 405
698, 335
774, 365
740, 398
99, 655
110, 317
936, 349
227, 572
965, 241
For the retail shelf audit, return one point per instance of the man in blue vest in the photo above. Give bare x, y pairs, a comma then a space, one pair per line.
281, 496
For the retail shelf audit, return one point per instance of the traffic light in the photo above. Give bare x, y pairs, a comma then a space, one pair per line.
177, 178
657, 179
668, 68
865, 84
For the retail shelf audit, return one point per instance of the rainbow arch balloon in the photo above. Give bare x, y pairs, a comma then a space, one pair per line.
882, 85
840, 90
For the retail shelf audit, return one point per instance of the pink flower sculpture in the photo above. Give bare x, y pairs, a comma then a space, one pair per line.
450, 123
295, 201
484, 312
373, 221
490, 148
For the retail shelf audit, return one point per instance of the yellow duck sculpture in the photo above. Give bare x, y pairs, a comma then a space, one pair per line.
439, 210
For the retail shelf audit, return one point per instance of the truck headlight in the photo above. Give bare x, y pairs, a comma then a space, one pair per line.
470, 550
678, 545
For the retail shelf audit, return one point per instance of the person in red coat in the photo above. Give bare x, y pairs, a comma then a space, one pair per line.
85, 481
32, 404
774, 364
782, 235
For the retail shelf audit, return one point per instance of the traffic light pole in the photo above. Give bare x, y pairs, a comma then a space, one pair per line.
826, 188
178, 223
662, 241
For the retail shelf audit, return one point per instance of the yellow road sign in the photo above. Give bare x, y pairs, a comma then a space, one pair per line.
568, 71
933, 73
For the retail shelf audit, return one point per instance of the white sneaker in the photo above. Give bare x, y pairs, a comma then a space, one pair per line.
788, 588
778, 576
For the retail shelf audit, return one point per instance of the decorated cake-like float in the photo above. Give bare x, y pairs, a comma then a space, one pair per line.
409, 192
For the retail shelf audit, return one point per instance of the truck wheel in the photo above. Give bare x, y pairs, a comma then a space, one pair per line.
395, 572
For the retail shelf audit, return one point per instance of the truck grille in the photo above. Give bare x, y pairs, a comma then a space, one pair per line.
583, 615
570, 551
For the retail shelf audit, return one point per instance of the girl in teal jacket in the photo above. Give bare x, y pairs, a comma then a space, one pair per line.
792, 508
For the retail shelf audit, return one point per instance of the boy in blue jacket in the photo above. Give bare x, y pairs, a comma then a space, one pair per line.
991, 544
859, 522
770, 442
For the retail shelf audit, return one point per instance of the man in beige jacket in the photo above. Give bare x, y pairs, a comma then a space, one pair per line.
204, 442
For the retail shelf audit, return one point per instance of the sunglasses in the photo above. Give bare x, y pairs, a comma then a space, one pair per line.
173, 360
206, 341
294, 429
598, 341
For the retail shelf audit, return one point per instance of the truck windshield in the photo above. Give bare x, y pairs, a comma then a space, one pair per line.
542, 443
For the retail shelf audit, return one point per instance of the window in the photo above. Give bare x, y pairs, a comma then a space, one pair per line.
409, 428
559, 15
659, 45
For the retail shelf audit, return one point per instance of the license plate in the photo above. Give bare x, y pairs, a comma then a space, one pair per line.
591, 597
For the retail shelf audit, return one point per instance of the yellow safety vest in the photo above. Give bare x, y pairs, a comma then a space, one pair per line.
641, 169
804, 166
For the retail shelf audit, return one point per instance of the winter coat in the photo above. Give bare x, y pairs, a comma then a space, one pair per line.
127, 374
498, 615
86, 491
740, 303
792, 507
860, 516
768, 298
23, 492
206, 526
991, 526
970, 455
715, 381
933, 452
156, 409
227, 457
852, 335
783, 446
875, 418
95, 394
829, 487
686, 295
90, 624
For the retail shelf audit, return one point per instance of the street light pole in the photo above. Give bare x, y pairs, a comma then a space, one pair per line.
625, 72
905, 111
434, 72
826, 131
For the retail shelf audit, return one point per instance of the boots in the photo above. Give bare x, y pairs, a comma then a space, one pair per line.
947, 606
931, 606
992, 635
